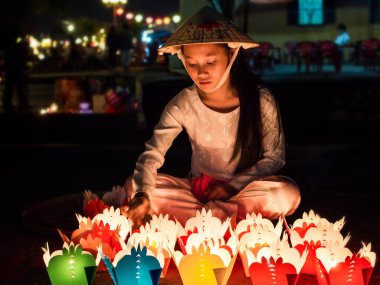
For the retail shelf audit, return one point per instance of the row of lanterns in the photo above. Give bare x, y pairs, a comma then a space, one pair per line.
204, 250
139, 18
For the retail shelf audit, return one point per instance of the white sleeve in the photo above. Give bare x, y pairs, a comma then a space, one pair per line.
166, 130
273, 157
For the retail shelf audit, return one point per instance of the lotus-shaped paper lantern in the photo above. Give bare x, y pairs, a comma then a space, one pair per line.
207, 255
107, 229
253, 220
205, 224
277, 263
329, 262
134, 266
70, 266
165, 225
116, 197
207, 264
159, 232
93, 205
344, 267
115, 219
254, 233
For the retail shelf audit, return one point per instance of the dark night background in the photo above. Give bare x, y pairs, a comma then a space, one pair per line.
97, 10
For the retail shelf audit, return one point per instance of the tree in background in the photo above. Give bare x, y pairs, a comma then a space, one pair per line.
53, 10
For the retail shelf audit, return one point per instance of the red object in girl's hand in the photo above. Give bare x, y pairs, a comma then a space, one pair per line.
201, 184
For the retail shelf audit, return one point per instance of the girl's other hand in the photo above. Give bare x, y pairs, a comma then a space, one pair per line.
139, 210
220, 192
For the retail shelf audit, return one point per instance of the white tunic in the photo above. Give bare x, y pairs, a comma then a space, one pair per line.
212, 135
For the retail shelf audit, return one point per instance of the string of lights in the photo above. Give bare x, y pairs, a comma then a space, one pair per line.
119, 11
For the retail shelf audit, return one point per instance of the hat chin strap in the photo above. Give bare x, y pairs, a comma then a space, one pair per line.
225, 74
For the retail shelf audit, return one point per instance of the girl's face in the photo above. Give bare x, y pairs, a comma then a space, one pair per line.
206, 64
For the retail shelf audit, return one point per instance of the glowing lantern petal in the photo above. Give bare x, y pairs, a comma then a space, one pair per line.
272, 272
198, 267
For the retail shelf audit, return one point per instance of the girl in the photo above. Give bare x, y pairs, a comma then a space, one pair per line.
234, 128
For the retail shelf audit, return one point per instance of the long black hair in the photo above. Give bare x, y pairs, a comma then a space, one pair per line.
249, 131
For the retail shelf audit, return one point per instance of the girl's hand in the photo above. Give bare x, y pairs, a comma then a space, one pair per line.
221, 192
139, 210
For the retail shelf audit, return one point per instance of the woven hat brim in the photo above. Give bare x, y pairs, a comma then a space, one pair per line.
174, 49
205, 27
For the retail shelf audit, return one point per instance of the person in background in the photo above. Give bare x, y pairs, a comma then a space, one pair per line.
75, 56
112, 40
342, 40
343, 37
153, 53
126, 46
234, 126
16, 53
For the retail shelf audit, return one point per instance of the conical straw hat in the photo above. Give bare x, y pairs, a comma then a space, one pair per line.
207, 26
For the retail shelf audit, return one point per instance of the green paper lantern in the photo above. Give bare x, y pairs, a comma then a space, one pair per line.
70, 266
